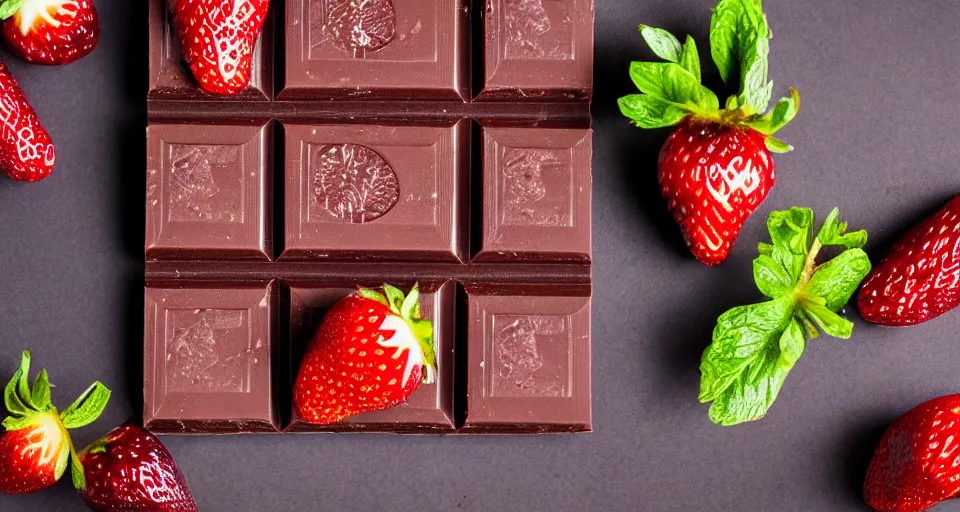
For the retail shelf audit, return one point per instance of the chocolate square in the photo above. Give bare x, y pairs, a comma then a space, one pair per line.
538, 50
170, 77
208, 192
536, 194
528, 363
429, 408
374, 192
383, 49
209, 359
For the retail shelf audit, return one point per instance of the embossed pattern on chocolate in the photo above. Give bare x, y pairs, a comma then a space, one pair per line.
352, 182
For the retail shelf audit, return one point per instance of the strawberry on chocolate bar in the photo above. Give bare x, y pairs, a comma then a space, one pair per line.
716, 168
36, 448
50, 31
26, 152
217, 38
371, 352
920, 279
130, 469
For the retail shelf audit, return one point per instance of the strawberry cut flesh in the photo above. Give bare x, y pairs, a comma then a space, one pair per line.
920, 279
29, 456
713, 177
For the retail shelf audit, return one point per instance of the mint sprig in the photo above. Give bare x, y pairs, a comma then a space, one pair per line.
754, 347
672, 90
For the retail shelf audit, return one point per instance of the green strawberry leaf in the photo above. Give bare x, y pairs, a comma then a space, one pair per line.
834, 232
394, 297
10, 7
76, 470
16, 395
772, 279
86, 409
783, 112
41, 391
11, 423
663, 44
776, 145
374, 295
690, 59
831, 323
649, 112
672, 83
838, 279
410, 303
723, 36
741, 336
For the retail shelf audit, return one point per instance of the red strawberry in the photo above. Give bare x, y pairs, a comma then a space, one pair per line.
917, 463
217, 38
26, 152
713, 177
50, 31
371, 352
36, 447
920, 279
716, 167
130, 469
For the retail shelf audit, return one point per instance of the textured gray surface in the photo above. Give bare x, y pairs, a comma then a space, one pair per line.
876, 136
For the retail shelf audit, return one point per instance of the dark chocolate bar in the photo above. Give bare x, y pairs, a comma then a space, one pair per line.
387, 141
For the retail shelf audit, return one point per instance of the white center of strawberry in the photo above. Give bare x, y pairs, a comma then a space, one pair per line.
45, 10
46, 438
402, 339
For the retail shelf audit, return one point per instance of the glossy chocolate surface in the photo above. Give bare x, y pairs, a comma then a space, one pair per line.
368, 163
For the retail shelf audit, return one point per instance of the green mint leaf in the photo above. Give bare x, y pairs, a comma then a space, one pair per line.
672, 83
690, 59
41, 391
742, 335
723, 36
838, 279
792, 343
752, 393
649, 112
790, 231
783, 112
663, 44
772, 279
834, 232
765, 249
756, 90
831, 323
76, 470
86, 409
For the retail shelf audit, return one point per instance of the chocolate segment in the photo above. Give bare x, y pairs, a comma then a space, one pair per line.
528, 365
536, 190
538, 50
170, 78
429, 408
374, 192
209, 359
397, 49
208, 192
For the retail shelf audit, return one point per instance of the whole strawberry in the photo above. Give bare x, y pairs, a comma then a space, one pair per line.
917, 463
36, 448
217, 38
26, 152
130, 469
920, 279
716, 168
50, 32
371, 352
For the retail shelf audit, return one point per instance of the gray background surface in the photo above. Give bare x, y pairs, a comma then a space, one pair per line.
876, 135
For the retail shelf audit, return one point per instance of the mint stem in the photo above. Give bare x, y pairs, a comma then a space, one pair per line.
810, 263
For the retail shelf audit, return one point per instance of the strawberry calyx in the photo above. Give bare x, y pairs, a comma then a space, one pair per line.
31, 11
672, 91
407, 308
32, 407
